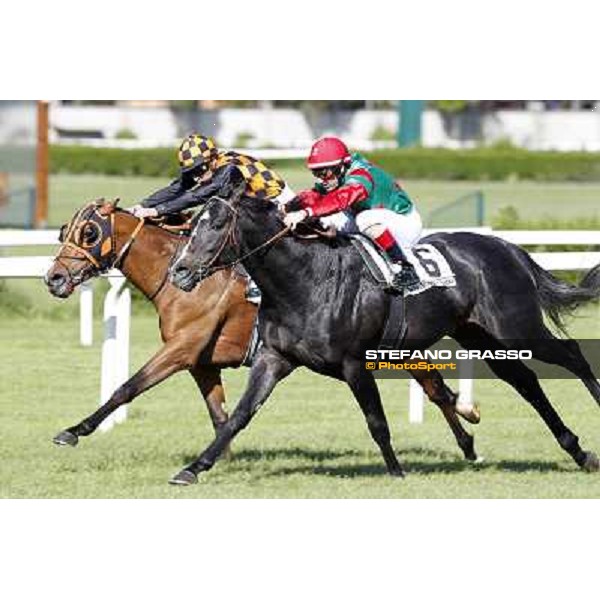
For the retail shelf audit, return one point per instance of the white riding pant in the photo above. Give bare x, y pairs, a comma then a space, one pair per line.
406, 228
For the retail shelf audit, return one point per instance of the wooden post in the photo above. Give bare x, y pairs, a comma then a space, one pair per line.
41, 201
3, 189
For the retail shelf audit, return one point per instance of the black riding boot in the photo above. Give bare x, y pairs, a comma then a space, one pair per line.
406, 278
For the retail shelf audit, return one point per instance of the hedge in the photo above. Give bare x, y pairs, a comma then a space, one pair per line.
154, 162
493, 164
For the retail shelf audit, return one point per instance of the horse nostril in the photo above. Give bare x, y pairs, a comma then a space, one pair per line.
56, 279
181, 271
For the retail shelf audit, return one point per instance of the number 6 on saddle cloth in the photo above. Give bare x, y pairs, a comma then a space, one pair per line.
431, 267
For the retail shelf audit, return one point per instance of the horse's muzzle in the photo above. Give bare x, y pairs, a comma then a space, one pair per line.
184, 278
59, 285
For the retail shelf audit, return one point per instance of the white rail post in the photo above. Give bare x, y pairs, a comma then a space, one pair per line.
122, 366
86, 314
415, 402
111, 355
465, 384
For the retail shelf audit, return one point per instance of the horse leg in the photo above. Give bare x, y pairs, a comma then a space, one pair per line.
268, 369
208, 380
566, 353
525, 381
365, 391
445, 399
168, 360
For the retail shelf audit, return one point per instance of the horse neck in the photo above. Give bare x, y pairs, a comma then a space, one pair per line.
146, 261
277, 267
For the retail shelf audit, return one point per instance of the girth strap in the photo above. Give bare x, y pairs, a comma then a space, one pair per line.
395, 325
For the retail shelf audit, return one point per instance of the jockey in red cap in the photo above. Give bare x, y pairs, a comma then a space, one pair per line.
356, 193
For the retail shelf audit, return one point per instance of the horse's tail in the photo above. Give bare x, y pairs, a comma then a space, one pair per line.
591, 279
558, 297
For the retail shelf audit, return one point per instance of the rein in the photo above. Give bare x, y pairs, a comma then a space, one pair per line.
209, 269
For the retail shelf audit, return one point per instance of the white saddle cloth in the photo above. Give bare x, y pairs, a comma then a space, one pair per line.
430, 265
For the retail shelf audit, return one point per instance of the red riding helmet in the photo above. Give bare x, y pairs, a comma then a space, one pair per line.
328, 152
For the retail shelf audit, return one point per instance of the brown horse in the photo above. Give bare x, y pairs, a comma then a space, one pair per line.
203, 331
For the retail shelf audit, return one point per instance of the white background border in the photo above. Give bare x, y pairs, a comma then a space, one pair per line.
299, 549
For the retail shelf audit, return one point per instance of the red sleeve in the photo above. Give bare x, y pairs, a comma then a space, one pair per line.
338, 200
308, 198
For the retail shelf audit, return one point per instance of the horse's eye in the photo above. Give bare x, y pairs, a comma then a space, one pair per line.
89, 235
219, 219
218, 222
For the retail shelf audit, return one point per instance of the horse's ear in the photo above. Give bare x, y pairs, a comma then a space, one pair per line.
106, 208
115, 202
237, 194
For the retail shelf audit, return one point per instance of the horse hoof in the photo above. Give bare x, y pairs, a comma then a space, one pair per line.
591, 462
397, 472
66, 438
184, 477
469, 412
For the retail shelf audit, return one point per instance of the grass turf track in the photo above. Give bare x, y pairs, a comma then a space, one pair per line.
309, 440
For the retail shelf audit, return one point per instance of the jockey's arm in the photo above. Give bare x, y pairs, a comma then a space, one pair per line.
302, 200
223, 183
336, 201
168, 193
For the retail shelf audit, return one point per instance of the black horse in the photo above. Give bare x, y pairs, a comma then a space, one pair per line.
322, 309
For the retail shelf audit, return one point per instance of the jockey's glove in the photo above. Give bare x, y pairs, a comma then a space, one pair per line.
142, 212
294, 218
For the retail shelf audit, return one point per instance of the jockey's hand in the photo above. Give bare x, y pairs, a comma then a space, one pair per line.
141, 212
294, 218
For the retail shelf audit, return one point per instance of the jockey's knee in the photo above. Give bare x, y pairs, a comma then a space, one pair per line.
373, 227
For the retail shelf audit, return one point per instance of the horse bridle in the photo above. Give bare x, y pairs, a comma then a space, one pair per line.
209, 269
108, 258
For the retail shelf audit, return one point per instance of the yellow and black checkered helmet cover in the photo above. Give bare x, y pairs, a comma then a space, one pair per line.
194, 150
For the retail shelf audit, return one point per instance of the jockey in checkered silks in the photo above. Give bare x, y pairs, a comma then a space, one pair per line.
207, 171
